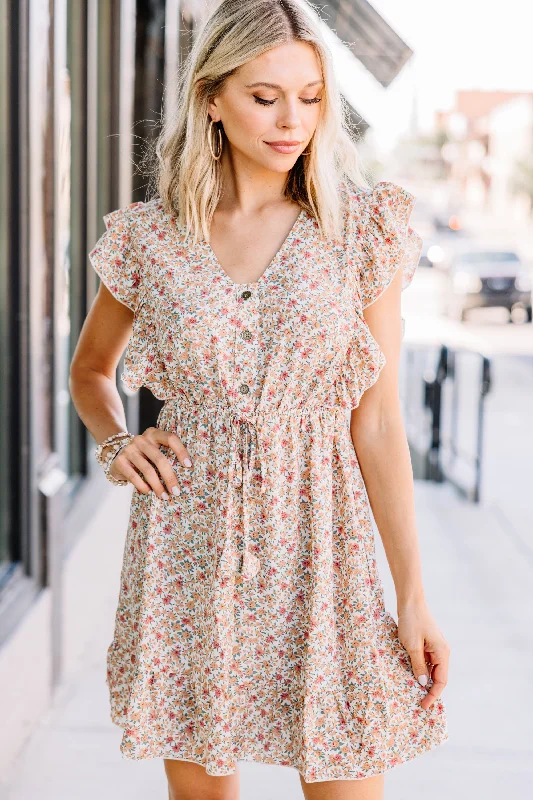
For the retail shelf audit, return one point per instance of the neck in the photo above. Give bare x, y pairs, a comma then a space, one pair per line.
248, 186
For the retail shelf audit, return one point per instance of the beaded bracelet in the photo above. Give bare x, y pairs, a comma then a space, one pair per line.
110, 458
115, 443
101, 447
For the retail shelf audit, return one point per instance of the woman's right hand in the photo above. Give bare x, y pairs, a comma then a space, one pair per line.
142, 453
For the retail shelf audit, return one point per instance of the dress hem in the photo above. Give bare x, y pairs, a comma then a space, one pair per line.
277, 763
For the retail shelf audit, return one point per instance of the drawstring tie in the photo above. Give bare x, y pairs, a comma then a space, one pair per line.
246, 455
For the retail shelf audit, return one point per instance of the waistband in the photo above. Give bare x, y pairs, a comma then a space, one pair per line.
269, 414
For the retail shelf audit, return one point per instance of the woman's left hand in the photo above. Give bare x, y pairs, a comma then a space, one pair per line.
421, 637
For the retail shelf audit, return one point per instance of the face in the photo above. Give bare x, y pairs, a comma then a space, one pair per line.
270, 106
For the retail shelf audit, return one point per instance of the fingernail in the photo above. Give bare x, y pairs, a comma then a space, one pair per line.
187, 462
175, 490
164, 496
423, 679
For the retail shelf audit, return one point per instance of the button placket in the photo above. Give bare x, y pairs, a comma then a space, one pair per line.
246, 353
246, 344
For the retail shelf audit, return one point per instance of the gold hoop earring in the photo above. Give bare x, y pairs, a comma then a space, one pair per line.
210, 141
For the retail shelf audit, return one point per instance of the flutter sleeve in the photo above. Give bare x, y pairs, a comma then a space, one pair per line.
386, 240
114, 256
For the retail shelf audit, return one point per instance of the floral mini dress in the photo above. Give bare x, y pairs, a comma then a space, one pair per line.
251, 622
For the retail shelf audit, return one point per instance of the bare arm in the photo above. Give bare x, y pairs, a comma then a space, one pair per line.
92, 382
380, 442
379, 439
93, 389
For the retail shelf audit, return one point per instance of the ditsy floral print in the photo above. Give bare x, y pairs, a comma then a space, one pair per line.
251, 622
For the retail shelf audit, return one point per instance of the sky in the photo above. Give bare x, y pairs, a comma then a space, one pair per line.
458, 44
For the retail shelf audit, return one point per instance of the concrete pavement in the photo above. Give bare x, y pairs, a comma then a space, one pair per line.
477, 584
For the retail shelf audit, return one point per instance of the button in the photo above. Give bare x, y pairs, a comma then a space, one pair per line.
244, 388
246, 295
247, 335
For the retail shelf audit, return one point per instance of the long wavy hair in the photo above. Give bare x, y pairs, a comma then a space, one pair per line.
186, 176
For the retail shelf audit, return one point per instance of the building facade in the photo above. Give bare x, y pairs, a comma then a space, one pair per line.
74, 74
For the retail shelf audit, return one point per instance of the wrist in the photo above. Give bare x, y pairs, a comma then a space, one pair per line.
414, 599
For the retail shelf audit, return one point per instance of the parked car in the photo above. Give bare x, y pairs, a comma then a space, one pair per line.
488, 278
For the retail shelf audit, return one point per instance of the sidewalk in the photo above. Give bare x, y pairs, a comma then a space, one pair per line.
477, 585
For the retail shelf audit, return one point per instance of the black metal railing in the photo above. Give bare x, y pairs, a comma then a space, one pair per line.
443, 392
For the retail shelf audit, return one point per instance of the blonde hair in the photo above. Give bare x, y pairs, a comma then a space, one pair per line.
188, 178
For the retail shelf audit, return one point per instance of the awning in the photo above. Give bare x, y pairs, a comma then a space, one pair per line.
371, 40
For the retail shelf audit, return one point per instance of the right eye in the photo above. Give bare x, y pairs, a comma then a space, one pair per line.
262, 101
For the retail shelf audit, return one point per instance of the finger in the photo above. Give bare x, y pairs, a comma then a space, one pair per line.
418, 665
124, 469
173, 441
148, 471
163, 465
439, 657
434, 692
439, 681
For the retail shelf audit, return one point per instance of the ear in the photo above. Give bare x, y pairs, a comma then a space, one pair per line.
213, 111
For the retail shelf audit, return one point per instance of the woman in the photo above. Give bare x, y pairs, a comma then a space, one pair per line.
260, 294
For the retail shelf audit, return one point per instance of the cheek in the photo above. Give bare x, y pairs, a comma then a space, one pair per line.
247, 124
312, 118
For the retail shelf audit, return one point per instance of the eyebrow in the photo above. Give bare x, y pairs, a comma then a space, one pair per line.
275, 85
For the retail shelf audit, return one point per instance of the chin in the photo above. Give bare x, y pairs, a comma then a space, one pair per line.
281, 163
281, 168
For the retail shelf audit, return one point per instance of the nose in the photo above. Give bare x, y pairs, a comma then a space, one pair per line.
290, 117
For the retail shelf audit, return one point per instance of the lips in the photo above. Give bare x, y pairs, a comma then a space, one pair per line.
284, 146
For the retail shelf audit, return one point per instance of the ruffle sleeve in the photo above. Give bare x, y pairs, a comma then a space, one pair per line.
144, 363
379, 224
363, 362
378, 241
114, 256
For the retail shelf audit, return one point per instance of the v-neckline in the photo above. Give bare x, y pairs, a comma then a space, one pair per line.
217, 266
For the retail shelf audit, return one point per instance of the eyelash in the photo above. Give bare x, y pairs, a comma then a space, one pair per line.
264, 102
